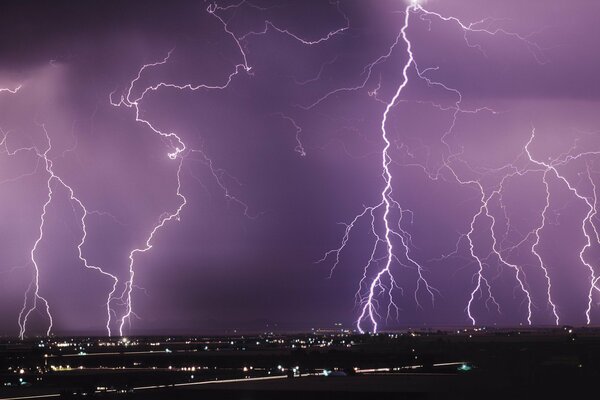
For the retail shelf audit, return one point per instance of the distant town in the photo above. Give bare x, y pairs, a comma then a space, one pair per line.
328, 364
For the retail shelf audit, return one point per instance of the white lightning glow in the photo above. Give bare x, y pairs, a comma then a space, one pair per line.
482, 288
30, 305
179, 152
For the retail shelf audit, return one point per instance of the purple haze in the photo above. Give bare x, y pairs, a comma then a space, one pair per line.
277, 169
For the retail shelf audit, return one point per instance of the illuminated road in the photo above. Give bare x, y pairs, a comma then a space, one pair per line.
264, 378
219, 381
115, 353
375, 370
43, 396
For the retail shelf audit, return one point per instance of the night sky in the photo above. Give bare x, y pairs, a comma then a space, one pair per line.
281, 120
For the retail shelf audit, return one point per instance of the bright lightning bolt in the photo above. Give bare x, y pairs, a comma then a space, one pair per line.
132, 99
393, 235
9, 90
179, 149
384, 281
386, 219
178, 153
586, 222
35, 285
54, 179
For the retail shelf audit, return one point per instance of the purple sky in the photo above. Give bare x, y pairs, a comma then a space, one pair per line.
259, 213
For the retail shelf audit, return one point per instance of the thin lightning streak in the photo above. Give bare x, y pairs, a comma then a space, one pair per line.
479, 275
366, 72
179, 148
368, 302
590, 216
519, 274
536, 244
12, 91
318, 76
218, 174
179, 152
211, 9
12, 153
26, 311
483, 210
56, 179
214, 9
475, 27
147, 246
270, 25
349, 227
53, 178
496, 250
299, 146
368, 312
551, 168
35, 283
391, 242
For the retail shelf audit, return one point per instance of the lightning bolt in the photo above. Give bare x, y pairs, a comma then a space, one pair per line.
393, 236
384, 281
392, 245
299, 146
9, 90
33, 299
178, 147
269, 25
586, 223
53, 179
216, 10
178, 153
179, 150
34, 284
588, 229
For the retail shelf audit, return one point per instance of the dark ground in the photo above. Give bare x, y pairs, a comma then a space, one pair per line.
488, 364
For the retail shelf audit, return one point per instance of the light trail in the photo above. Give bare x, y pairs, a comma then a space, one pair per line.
41, 396
214, 382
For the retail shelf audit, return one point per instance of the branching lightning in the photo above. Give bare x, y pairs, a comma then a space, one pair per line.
33, 298
391, 249
178, 153
132, 98
588, 228
383, 283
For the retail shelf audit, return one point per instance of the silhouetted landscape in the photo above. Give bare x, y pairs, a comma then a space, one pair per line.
414, 364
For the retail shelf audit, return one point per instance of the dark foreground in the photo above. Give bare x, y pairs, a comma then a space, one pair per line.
459, 364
